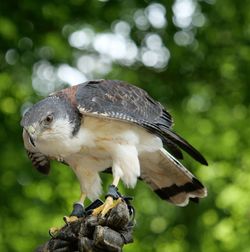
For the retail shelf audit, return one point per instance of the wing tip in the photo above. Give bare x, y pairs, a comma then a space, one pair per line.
176, 139
201, 159
195, 154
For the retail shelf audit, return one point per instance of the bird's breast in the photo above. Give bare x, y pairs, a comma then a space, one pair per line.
97, 140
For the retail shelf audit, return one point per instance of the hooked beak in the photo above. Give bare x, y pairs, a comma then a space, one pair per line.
32, 141
31, 131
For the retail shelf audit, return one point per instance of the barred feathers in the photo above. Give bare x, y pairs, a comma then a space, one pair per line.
169, 179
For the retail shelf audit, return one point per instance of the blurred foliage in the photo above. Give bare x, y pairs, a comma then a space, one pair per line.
192, 55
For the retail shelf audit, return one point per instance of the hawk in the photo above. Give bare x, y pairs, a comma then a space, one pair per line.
109, 123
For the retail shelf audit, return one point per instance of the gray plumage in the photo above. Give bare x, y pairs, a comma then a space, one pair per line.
121, 101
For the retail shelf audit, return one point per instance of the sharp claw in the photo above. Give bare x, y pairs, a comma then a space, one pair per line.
69, 219
78, 212
109, 203
53, 231
113, 198
106, 206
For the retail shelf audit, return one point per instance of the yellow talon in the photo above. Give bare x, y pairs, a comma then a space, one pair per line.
106, 206
69, 219
53, 231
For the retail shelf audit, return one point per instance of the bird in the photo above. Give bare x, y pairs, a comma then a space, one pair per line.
111, 125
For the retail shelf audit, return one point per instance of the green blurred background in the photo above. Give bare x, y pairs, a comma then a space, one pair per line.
193, 56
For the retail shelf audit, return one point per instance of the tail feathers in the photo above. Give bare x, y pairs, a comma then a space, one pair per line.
169, 179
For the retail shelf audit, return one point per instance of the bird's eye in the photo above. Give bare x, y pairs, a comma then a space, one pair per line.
48, 119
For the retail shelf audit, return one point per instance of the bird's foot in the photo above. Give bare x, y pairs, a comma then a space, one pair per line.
106, 206
113, 198
77, 212
53, 231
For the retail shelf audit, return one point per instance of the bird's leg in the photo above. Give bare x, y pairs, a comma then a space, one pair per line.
113, 197
78, 210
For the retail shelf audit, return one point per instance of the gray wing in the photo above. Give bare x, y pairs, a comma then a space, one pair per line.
118, 100
121, 101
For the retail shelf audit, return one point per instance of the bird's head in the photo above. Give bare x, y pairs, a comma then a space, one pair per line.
50, 120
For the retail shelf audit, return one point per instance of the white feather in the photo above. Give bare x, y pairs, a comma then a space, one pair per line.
99, 144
